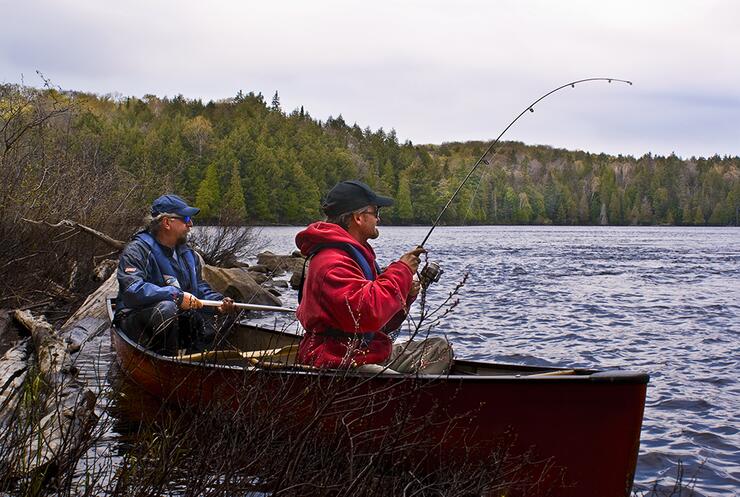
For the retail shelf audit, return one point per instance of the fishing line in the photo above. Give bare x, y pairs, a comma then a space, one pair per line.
475, 194
491, 148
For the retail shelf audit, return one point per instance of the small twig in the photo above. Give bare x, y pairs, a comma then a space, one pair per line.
19, 259
96, 258
36, 305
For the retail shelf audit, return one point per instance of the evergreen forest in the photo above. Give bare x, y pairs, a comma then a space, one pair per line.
246, 160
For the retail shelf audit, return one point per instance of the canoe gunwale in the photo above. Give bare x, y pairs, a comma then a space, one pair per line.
611, 376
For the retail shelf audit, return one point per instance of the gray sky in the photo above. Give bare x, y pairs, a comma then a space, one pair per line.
433, 70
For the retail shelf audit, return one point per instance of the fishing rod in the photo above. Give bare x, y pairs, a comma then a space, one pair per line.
490, 148
248, 307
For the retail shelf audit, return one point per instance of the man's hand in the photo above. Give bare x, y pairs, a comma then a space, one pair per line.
411, 258
189, 301
415, 287
227, 306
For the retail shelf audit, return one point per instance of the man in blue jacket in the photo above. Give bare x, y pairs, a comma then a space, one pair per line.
160, 283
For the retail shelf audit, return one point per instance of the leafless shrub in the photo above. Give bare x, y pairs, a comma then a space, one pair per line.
227, 244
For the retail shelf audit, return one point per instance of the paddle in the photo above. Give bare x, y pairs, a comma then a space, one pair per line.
248, 307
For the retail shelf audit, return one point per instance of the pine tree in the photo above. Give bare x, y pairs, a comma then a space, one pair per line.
698, 218
686, 217
646, 212
234, 206
301, 196
615, 215
404, 207
209, 193
537, 201
584, 209
523, 212
275, 102
387, 176
510, 204
260, 204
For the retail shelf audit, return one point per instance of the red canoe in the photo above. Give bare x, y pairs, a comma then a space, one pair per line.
582, 426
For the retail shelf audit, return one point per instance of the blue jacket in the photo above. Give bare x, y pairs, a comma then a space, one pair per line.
143, 278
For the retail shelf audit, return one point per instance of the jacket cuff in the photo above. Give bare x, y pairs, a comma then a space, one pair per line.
179, 295
405, 272
405, 266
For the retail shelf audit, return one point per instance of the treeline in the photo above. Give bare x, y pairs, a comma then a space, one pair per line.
247, 160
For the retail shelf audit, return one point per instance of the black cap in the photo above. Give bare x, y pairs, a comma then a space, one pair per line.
172, 204
348, 196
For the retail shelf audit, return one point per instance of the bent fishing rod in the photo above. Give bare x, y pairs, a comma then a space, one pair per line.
491, 147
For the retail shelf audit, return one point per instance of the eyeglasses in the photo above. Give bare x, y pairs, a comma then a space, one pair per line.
375, 212
184, 219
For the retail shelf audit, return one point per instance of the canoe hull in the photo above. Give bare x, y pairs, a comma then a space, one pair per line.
580, 434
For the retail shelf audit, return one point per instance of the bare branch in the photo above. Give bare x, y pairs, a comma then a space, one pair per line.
66, 223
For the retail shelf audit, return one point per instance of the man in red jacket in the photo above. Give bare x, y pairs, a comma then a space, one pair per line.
347, 306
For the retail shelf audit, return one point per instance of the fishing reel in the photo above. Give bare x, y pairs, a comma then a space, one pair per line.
430, 274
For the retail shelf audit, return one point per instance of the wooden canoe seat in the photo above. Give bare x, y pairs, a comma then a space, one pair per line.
281, 354
273, 358
211, 356
282, 365
559, 372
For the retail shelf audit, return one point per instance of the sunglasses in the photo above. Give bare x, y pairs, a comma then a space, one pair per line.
184, 219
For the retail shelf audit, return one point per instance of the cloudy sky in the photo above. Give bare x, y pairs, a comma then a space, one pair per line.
432, 70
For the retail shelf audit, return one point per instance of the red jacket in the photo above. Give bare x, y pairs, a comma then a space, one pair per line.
337, 296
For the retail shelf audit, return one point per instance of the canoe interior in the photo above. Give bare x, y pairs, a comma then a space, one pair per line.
246, 345
251, 338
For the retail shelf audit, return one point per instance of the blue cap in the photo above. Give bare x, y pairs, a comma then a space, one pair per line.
348, 196
172, 204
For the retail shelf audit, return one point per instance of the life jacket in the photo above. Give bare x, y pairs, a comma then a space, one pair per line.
360, 259
165, 266
351, 250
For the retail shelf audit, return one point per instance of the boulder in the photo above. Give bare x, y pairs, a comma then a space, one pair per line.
230, 261
259, 268
259, 277
238, 284
295, 280
277, 263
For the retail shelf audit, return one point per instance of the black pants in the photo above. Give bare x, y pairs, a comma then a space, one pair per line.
165, 329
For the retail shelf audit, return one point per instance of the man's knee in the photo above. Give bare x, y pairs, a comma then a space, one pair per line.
441, 346
375, 369
429, 356
167, 310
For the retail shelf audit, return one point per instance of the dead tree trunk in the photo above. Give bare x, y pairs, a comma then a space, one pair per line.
67, 405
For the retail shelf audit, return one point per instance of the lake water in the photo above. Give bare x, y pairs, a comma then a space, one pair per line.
663, 300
